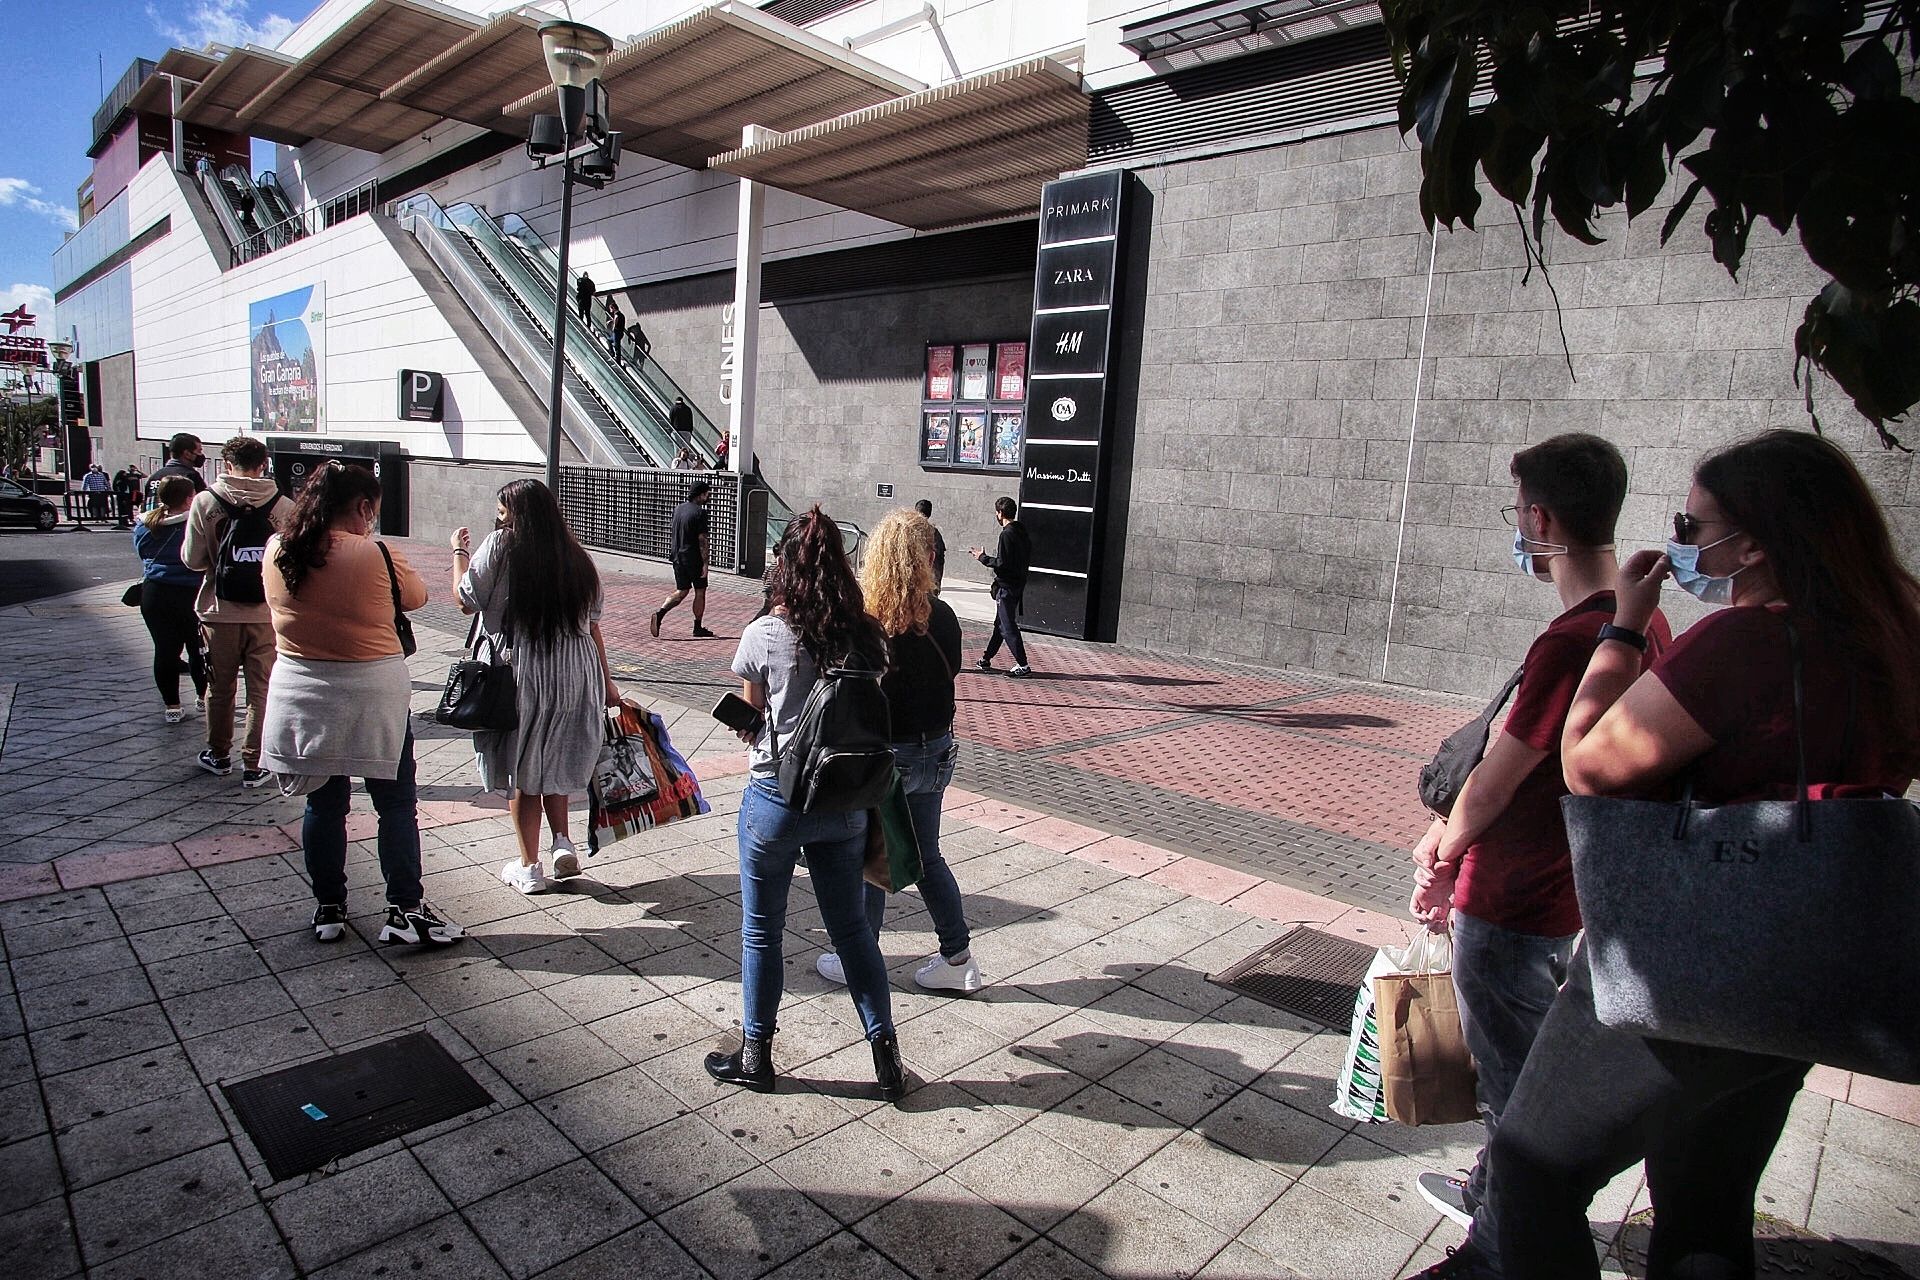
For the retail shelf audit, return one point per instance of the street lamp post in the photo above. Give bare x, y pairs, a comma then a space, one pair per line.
574, 53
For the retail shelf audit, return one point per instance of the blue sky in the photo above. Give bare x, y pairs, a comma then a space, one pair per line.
54, 51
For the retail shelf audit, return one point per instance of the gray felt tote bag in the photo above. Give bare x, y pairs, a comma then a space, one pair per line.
1787, 927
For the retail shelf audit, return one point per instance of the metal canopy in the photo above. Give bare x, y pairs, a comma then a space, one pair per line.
154, 97
1208, 32
976, 149
333, 93
241, 74
473, 79
686, 90
186, 64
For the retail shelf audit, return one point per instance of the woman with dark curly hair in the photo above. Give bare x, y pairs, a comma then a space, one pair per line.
818, 622
339, 708
538, 595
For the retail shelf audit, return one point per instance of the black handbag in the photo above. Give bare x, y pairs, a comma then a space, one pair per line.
402, 625
480, 695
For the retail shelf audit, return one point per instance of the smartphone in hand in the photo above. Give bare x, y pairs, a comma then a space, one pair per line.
737, 713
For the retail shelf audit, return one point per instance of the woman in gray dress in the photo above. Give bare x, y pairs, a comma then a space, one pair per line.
538, 597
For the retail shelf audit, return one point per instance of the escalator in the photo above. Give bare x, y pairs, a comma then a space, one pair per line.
468, 251
648, 379
617, 412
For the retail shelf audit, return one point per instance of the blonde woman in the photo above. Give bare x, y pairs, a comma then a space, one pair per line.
923, 653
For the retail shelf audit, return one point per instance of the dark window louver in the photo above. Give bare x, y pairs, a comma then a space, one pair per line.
1340, 77
801, 12
981, 253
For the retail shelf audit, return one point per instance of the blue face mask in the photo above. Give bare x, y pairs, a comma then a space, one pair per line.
1703, 587
1523, 554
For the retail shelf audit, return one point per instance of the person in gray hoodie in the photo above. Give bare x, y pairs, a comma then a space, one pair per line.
227, 536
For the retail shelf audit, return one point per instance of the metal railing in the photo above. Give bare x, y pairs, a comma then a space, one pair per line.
364, 198
631, 510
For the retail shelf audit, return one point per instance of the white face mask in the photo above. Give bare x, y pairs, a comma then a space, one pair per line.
1525, 549
1705, 588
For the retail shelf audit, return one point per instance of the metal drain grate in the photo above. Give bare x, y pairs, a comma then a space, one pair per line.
302, 1117
1304, 972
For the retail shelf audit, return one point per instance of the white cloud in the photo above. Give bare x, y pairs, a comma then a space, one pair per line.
38, 300
18, 193
204, 22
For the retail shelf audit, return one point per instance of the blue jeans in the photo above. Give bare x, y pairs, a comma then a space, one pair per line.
925, 770
323, 834
1006, 628
1505, 982
772, 838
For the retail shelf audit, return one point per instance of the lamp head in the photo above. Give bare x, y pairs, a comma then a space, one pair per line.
575, 52
546, 136
604, 160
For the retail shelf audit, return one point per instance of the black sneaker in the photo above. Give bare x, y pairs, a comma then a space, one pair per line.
419, 925
701, 633
1464, 1263
329, 922
251, 778
220, 766
983, 665
1020, 672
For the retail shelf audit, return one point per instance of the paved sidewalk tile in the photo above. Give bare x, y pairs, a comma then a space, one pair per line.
1099, 1109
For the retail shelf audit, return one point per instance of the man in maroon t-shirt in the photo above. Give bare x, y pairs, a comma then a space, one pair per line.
1499, 864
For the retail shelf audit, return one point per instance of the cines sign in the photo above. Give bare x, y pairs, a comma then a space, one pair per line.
1062, 479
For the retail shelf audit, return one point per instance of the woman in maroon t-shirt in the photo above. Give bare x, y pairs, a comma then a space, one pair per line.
1779, 527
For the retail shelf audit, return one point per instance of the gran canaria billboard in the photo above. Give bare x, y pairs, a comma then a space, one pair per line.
286, 335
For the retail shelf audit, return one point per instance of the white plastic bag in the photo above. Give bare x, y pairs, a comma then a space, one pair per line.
1357, 1090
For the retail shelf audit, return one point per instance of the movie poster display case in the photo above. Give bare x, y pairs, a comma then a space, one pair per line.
973, 406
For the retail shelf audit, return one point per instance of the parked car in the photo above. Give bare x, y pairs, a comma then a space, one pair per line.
17, 506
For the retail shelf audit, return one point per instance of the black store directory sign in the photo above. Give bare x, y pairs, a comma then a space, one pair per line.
1062, 477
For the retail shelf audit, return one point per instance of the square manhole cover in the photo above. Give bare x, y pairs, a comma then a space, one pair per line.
1305, 972
302, 1117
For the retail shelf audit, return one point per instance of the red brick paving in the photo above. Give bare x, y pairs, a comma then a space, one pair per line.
1349, 790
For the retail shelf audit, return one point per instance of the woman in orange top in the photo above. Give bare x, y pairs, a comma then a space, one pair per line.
339, 708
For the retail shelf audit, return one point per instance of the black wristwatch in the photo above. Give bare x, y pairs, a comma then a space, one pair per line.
1638, 639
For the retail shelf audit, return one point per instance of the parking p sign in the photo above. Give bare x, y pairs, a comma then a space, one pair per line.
421, 394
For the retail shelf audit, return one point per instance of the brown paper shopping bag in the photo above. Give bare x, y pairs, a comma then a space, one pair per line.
1426, 1073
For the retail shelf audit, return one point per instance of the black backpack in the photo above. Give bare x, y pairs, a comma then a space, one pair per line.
243, 548
1442, 777
837, 758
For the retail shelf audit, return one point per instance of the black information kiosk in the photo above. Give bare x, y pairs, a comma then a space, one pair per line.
295, 457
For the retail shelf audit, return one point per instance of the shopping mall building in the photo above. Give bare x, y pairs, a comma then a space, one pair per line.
1254, 409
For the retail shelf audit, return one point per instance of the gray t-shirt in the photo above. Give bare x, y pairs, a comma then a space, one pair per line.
770, 655
484, 587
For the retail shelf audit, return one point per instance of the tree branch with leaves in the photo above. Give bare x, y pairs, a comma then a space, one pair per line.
1798, 113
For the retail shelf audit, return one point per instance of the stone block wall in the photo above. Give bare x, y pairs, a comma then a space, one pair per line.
839, 393
1279, 360
447, 494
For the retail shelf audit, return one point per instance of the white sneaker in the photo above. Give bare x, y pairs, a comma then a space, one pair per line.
564, 858
524, 878
937, 975
200, 706
175, 715
828, 966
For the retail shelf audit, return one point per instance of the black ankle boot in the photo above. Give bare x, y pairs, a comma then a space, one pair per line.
888, 1069
750, 1065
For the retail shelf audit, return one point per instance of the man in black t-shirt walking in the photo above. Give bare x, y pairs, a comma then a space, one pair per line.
1009, 564
689, 559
